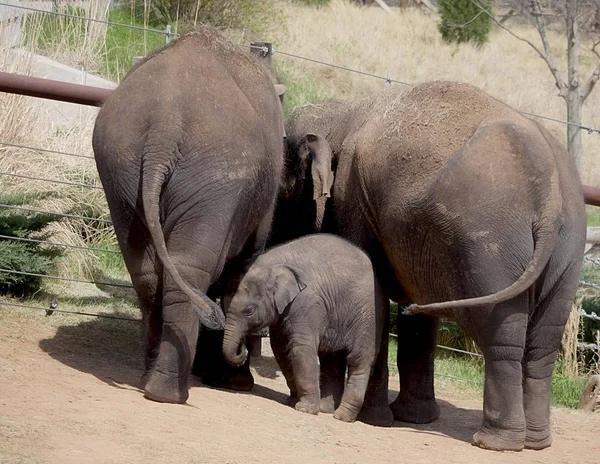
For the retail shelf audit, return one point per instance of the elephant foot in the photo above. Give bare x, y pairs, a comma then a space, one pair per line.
344, 414
508, 441
538, 440
306, 407
415, 411
327, 405
165, 388
378, 416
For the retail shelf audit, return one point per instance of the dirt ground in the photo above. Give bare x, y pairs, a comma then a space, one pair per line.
68, 394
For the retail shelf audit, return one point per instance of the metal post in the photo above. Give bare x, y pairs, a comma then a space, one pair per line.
137, 59
264, 51
168, 34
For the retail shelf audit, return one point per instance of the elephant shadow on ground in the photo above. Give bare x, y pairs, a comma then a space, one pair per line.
109, 349
454, 422
113, 351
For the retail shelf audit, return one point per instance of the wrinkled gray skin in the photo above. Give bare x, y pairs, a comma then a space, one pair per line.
320, 298
189, 151
469, 210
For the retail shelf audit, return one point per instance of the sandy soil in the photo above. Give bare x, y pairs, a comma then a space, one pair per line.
68, 394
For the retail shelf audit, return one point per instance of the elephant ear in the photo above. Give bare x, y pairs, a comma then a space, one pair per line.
280, 89
321, 172
286, 284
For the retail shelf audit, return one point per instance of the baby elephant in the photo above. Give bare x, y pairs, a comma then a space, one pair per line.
323, 305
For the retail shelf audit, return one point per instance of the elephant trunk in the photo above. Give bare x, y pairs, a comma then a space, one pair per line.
234, 349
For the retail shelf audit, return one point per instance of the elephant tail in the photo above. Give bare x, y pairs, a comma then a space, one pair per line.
209, 313
545, 235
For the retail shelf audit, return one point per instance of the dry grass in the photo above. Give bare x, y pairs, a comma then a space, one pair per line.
409, 46
570, 361
28, 121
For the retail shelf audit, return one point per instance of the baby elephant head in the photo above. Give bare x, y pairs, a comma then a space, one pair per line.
261, 298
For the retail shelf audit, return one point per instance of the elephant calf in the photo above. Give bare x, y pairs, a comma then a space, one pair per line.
320, 298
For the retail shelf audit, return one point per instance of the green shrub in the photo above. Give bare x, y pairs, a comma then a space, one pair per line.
464, 21
566, 391
24, 256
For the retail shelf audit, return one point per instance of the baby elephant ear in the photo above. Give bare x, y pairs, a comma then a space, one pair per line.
287, 284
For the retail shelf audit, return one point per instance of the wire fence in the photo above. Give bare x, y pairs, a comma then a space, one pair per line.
68, 216
168, 34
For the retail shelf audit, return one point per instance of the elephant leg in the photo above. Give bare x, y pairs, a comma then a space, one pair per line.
502, 340
354, 390
152, 318
167, 382
189, 244
138, 254
416, 352
213, 370
333, 375
375, 409
278, 346
544, 336
209, 363
305, 365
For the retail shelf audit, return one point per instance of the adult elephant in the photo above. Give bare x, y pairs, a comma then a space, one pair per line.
189, 151
468, 209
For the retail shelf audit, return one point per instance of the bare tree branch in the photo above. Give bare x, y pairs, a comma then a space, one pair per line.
541, 27
560, 83
595, 76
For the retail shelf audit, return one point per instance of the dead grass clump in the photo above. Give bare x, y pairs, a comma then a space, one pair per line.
570, 360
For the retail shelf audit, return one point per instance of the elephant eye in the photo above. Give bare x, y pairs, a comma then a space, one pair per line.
249, 310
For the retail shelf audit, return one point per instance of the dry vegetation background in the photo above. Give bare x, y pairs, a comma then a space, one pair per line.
409, 45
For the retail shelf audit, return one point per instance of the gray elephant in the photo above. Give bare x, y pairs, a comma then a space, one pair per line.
468, 210
189, 151
323, 305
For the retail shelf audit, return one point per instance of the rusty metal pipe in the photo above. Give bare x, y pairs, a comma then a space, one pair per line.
53, 90
591, 195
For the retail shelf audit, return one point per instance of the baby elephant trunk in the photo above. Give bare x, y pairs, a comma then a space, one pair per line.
234, 349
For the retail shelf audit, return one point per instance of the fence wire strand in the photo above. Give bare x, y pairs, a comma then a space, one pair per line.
66, 279
44, 150
51, 181
65, 215
49, 311
48, 242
